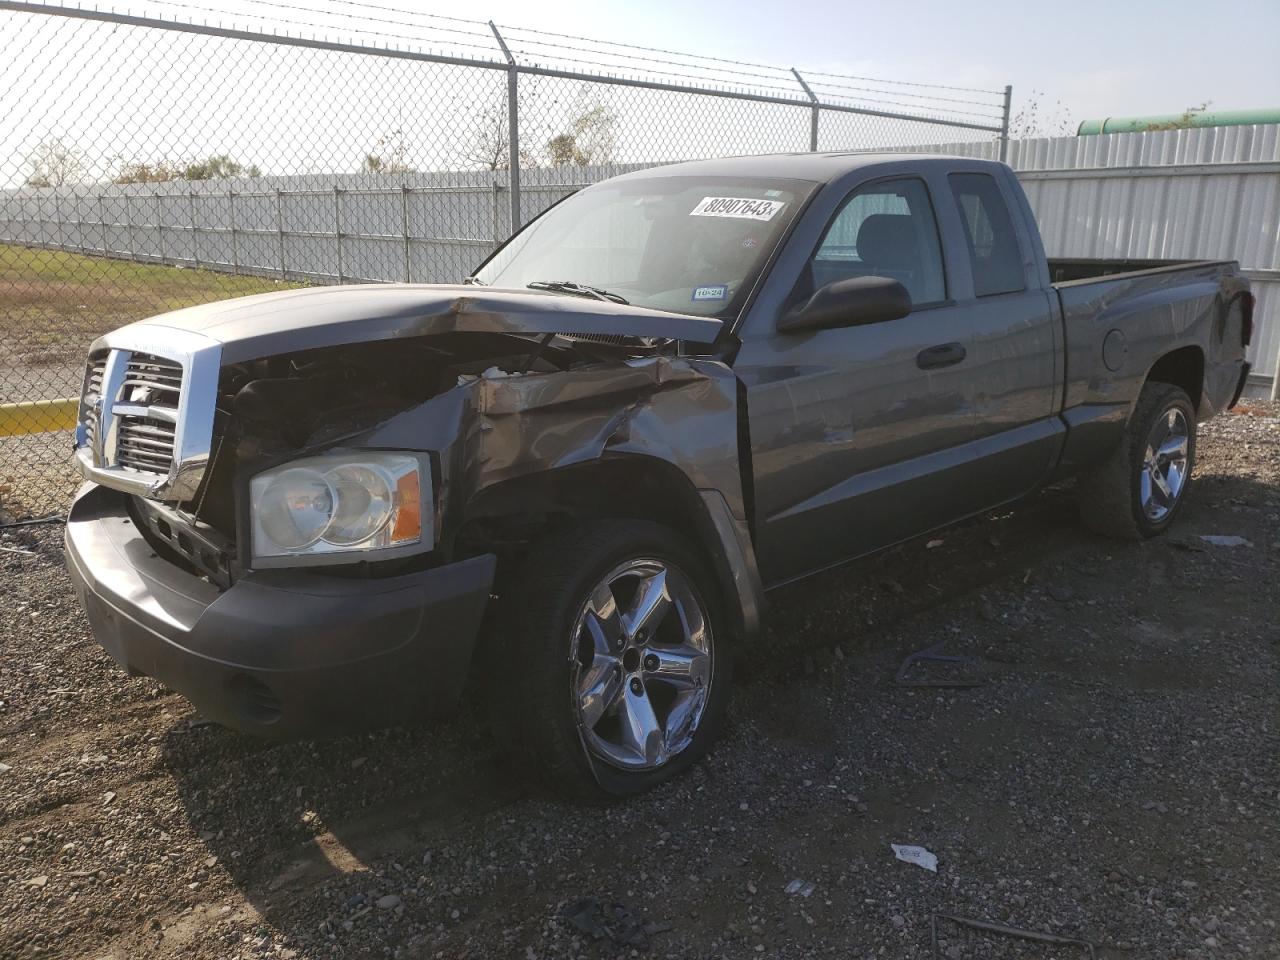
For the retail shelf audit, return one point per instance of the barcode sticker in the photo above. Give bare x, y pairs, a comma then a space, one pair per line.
743, 208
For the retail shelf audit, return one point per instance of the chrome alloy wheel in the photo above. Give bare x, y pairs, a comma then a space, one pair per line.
640, 665
1164, 465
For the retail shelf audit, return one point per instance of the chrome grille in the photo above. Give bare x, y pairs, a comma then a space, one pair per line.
90, 404
158, 378
146, 414
144, 444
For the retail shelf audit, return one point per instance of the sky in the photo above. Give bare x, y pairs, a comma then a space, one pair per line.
1116, 58
122, 95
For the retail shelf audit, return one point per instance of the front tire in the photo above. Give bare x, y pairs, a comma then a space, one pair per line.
612, 664
1138, 491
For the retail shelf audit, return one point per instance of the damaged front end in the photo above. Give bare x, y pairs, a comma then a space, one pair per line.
525, 411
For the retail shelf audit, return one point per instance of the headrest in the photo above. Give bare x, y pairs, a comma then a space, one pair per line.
888, 240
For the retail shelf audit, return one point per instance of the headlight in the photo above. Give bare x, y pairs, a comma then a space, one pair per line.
327, 509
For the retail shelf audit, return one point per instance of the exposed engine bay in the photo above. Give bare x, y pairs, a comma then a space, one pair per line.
313, 399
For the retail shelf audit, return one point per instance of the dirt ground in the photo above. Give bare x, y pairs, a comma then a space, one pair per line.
1115, 777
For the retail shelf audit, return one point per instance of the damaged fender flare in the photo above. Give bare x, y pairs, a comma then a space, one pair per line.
723, 539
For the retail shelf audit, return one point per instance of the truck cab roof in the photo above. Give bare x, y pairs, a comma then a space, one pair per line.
813, 167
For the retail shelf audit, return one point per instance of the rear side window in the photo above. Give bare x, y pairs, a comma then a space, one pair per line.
886, 229
989, 230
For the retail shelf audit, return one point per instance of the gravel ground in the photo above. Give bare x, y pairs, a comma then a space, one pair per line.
1115, 777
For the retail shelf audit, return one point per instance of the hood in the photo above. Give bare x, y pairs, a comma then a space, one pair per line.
291, 320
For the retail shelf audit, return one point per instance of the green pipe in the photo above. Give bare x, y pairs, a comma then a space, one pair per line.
1215, 118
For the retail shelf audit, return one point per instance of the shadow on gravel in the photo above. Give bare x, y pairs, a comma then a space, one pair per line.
284, 820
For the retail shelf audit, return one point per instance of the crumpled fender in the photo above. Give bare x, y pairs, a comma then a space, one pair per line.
680, 410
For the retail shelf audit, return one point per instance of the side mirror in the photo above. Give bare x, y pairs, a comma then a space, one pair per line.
849, 303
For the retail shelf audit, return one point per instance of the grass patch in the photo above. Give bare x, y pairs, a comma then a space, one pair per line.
54, 303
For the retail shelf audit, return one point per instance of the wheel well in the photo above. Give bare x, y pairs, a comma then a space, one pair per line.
1183, 368
508, 517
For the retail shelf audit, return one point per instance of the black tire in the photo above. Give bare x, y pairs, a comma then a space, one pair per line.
535, 706
1110, 495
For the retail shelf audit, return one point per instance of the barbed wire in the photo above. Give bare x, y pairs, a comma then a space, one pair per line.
688, 60
752, 82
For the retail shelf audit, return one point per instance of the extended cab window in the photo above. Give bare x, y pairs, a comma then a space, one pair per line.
989, 230
885, 229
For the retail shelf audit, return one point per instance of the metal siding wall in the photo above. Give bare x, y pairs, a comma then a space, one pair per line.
1098, 196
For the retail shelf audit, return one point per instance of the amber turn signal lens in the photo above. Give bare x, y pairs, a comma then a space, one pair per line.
408, 523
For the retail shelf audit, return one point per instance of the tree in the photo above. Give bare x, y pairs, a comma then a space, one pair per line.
488, 146
53, 163
591, 137
1034, 119
218, 167
141, 172
389, 155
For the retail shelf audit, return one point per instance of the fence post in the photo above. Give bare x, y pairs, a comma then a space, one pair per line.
160, 228
513, 127
128, 226
195, 242
1004, 125
81, 223
231, 216
497, 212
337, 227
813, 111
102, 227
280, 230
404, 228
57, 209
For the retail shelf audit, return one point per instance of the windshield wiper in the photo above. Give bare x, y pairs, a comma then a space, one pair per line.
577, 289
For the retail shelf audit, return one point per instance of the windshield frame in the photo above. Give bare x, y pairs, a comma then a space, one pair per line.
804, 191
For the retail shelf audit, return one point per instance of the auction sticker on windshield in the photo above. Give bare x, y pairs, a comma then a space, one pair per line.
719, 291
744, 208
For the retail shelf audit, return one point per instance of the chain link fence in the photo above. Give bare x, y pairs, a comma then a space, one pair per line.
148, 164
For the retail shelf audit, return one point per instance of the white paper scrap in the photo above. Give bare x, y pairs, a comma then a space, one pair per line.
921, 857
1225, 541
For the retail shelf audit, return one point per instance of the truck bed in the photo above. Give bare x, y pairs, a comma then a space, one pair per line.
1118, 312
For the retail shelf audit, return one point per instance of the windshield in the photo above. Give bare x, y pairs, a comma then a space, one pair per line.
685, 244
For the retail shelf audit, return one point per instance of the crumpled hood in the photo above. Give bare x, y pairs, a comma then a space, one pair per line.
290, 320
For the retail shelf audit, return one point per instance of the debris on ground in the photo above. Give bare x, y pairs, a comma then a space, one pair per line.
1060, 592
910, 853
1219, 540
603, 920
932, 655
800, 887
1004, 930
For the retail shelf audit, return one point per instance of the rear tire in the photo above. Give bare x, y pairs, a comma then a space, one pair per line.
1138, 491
593, 699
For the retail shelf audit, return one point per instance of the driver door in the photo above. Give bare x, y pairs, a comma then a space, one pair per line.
853, 430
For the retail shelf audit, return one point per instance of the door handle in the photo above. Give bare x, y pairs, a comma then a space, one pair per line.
943, 355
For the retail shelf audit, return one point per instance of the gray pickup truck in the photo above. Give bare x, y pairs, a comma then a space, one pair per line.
566, 485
